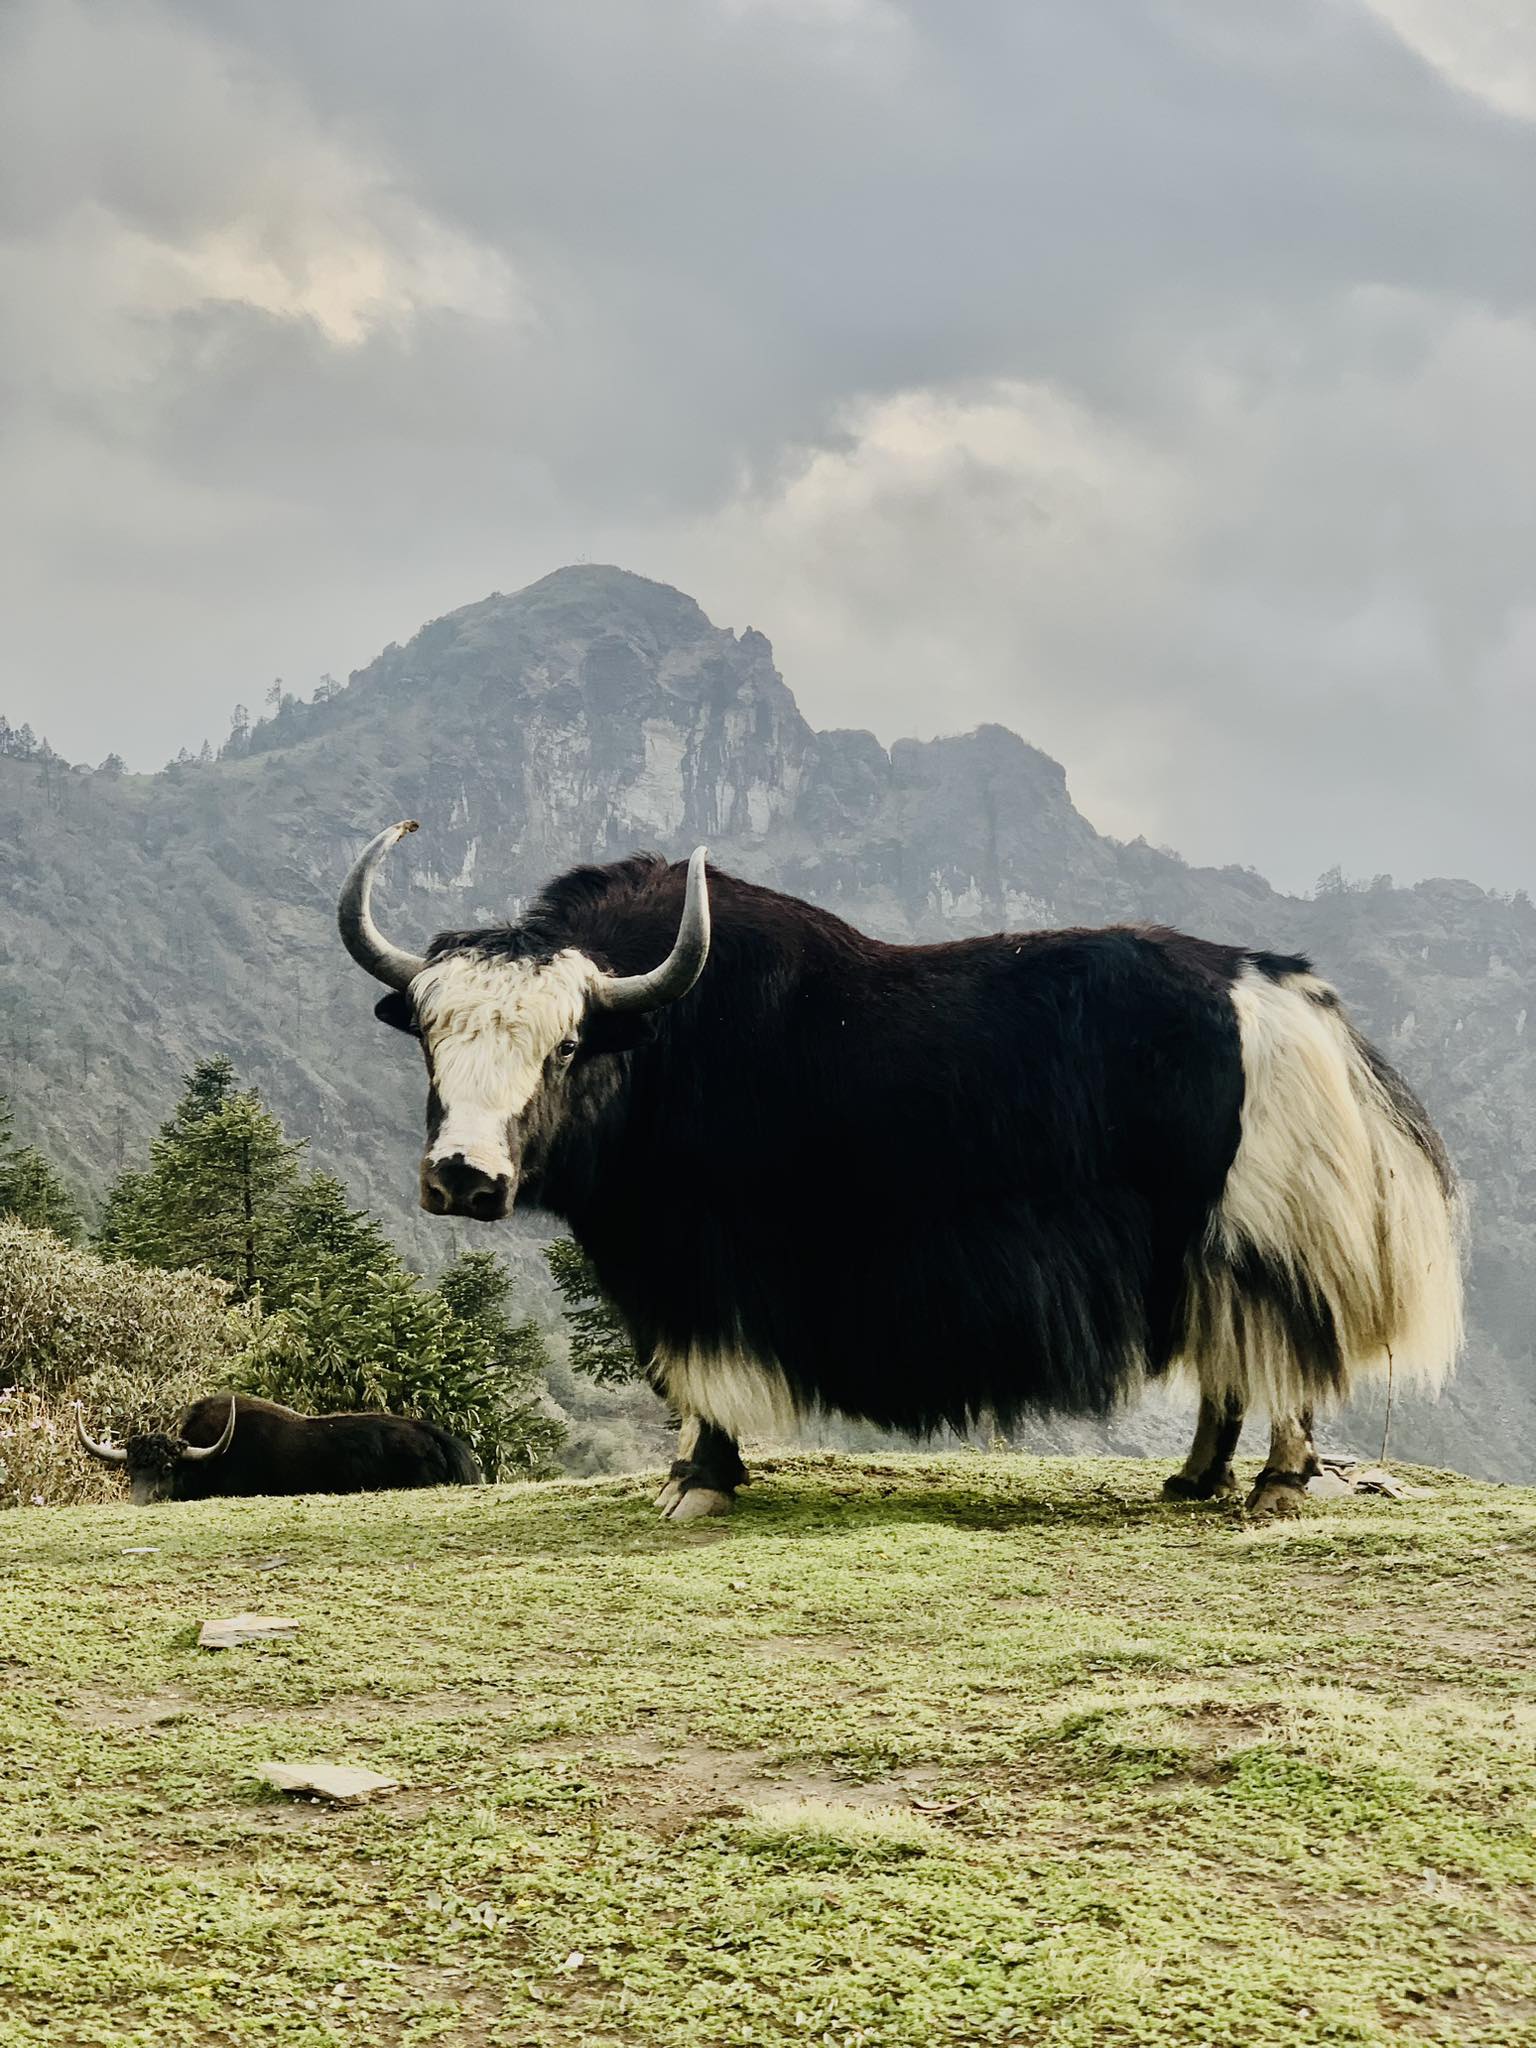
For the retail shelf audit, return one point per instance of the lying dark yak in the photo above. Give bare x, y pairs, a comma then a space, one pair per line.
232, 1445
1024, 1174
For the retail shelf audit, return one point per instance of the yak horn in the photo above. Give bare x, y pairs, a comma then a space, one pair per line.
105, 1452
682, 966
193, 1454
359, 934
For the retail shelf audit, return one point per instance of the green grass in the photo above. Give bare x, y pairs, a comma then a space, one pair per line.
912, 1751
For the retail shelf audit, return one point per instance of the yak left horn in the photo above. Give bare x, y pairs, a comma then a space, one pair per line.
682, 966
105, 1452
354, 916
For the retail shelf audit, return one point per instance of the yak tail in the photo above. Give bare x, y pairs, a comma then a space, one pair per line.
463, 1467
1335, 1252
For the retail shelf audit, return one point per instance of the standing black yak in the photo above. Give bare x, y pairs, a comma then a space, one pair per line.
910, 1183
231, 1445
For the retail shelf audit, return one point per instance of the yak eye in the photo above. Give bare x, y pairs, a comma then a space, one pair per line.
566, 1049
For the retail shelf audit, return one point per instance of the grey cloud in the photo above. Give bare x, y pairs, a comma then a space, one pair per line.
645, 269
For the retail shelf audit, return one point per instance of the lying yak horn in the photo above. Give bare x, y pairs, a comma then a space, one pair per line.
193, 1454
105, 1452
682, 966
359, 934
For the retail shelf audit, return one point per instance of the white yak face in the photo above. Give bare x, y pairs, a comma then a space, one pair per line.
494, 1031
501, 1022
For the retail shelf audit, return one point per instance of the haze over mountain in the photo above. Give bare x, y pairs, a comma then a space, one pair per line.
147, 920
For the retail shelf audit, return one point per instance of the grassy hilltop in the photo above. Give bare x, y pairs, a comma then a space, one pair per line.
912, 1751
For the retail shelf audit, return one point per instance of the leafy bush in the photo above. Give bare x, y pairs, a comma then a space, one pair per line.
41, 1463
133, 1344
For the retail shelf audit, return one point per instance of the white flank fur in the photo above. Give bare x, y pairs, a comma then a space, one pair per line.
1328, 1187
489, 1026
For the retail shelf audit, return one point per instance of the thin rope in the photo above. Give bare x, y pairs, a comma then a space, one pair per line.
1386, 1426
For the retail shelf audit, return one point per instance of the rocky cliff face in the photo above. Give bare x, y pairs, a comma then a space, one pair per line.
146, 920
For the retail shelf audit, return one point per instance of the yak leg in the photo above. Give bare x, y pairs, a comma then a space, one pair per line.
704, 1475
1281, 1487
1207, 1470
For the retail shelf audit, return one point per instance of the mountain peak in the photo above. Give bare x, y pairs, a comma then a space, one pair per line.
583, 601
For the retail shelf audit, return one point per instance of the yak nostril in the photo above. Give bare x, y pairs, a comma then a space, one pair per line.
452, 1187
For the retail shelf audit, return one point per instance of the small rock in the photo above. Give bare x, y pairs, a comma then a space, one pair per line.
142, 1550
239, 1629
272, 1564
342, 1784
1329, 1486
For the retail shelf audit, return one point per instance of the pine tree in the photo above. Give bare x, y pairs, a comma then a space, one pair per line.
221, 1176
239, 733
124, 1220
601, 1345
369, 1334
506, 1360
476, 1289
30, 1190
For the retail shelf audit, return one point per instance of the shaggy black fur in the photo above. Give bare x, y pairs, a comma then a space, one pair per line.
924, 1180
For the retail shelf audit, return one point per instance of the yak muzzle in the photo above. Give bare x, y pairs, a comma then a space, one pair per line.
452, 1187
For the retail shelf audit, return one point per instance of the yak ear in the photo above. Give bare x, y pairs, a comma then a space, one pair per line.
395, 1009
615, 1031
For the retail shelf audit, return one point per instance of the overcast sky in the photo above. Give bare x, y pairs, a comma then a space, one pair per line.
1157, 377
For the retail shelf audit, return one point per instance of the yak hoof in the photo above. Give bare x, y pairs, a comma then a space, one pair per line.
1208, 1486
1271, 1503
669, 1496
697, 1502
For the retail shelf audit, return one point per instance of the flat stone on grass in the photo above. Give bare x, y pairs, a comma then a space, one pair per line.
342, 1784
239, 1629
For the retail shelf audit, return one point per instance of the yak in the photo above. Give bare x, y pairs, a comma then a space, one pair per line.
230, 1446
914, 1184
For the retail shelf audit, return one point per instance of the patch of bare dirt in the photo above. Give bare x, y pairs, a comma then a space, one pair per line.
1490, 1647
1220, 1725
785, 1649
135, 1716
129, 1716
194, 1835
668, 1788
